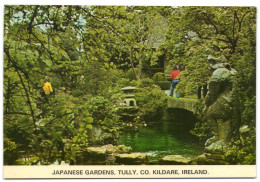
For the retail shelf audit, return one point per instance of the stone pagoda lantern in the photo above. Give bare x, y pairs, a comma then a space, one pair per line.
129, 96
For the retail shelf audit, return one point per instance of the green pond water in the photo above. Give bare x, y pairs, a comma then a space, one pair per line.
163, 138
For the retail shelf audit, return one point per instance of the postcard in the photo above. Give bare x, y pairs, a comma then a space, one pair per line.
95, 91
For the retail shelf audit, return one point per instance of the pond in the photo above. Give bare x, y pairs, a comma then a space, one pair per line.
161, 139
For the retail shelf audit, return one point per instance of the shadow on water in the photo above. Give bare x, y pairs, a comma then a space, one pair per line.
168, 137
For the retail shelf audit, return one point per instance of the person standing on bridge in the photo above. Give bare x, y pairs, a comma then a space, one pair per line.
174, 76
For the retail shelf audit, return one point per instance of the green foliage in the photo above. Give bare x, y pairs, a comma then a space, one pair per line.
130, 74
146, 82
104, 113
151, 100
164, 85
201, 129
161, 80
123, 82
95, 79
98, 108
62, 130
99, 80
159, 76
196, 32
84, 125
245, 89
10, 151
112, 125
243, 151
86, 51
29, 161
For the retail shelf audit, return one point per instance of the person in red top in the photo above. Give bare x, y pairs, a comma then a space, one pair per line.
174, 76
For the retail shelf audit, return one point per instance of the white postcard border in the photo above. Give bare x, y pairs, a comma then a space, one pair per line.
130, 171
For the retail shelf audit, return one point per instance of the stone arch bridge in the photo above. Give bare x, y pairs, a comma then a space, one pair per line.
182, 103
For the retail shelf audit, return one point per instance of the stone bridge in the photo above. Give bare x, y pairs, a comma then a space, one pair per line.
182, 103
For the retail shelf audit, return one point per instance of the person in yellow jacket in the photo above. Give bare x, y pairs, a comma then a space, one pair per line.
47, 88
47, 93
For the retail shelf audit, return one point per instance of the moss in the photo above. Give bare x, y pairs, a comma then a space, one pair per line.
187, 100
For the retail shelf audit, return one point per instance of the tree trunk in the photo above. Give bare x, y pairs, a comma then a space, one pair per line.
140, 67
132, 65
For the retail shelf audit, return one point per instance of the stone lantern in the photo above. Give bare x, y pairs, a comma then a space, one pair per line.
129, 96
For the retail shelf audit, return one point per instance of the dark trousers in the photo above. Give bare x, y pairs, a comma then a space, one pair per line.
173, 85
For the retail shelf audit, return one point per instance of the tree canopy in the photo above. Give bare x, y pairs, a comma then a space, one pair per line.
90, 51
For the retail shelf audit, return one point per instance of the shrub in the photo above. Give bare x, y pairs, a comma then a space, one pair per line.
104, 113
77, 93
159, 77
10, 152
146, 82
150, 100
243, 151
130, 74
164, 85
98, 107
160, 80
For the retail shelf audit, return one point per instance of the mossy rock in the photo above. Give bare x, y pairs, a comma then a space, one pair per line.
175, 159
132, 158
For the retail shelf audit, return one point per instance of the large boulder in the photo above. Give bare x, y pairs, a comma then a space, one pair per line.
210, 159
96, 154
108, 149
217, 147
97, 136
104, 154
201, 159
175, 159
132, 158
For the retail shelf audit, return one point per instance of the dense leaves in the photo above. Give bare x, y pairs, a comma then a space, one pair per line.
89, 53
195, 33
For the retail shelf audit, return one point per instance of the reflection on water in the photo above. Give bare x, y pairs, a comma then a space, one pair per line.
165, 138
